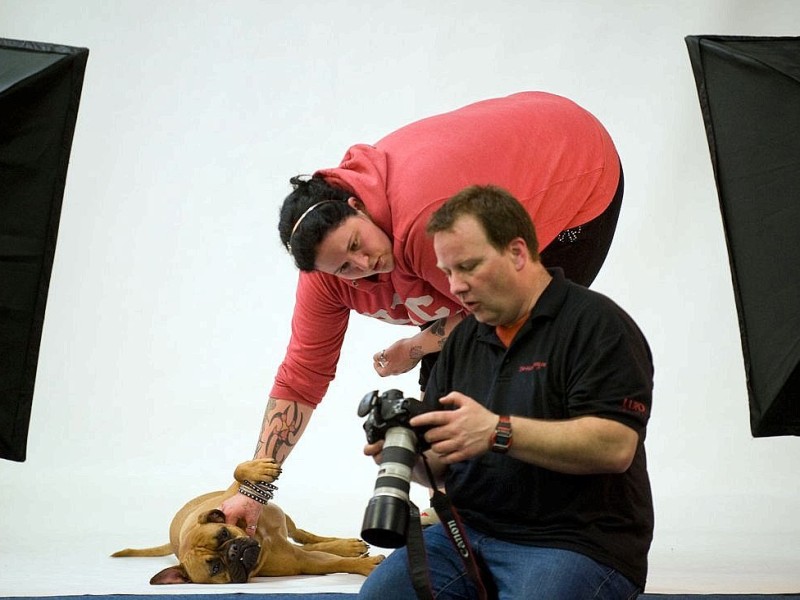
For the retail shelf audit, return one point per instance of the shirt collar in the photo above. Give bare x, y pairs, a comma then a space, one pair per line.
546, 307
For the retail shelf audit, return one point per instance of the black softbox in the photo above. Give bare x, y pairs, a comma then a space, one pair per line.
749, 89
40, 88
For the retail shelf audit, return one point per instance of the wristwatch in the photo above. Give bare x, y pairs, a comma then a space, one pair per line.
502, 436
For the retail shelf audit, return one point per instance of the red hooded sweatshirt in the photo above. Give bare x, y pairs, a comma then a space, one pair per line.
548, 152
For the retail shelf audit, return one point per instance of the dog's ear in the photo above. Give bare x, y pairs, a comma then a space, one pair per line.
212, 516
176, 574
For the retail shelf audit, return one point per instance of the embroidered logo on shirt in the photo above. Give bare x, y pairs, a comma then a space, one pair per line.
633, 405
534, 366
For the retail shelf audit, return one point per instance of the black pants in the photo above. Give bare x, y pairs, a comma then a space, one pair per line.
579, 251
582, 250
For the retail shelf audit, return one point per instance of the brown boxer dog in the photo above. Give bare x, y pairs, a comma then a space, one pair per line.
210, 551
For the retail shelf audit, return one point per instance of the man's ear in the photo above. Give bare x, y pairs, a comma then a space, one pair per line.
176, 574
519, 252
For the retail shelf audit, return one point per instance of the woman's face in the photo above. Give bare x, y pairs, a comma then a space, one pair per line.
355, 249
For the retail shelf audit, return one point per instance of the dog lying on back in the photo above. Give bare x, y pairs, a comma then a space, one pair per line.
210, 551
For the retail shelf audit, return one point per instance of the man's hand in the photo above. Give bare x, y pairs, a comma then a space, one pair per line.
243, 512
375, 450
418, 473
458, 434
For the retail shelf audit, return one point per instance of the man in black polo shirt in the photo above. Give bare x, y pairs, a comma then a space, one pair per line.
545, 393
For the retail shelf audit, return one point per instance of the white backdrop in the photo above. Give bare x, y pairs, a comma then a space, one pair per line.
171, 296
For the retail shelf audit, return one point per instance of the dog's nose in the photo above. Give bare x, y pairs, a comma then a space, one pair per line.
250, 555
235, 549
242, 549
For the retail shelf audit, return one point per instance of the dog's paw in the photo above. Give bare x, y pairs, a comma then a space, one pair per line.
260, 469
368, 563
351, 547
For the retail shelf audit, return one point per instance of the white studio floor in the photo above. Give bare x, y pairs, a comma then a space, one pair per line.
74, 565
79, 567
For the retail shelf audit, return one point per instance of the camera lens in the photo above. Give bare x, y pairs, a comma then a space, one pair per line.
385, 522
386, 518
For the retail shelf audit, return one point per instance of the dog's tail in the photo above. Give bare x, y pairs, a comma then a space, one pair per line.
164, 550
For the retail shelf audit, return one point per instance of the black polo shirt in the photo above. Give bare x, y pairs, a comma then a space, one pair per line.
578, 354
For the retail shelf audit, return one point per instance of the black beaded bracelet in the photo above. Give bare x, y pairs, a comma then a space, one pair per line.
245, 492
263, 484
260, 491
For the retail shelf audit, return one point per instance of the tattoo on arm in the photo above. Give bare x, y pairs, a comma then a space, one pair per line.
438, 327
279, 431
416, 353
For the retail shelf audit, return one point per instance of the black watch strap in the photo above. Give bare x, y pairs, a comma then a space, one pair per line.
502, 436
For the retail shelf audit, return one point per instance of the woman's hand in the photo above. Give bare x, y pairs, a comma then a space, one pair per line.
243, 512
403, 355
400, 357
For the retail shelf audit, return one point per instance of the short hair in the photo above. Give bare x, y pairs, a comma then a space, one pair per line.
321, 206
501, 215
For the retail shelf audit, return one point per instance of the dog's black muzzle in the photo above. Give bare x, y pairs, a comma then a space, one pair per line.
241, 556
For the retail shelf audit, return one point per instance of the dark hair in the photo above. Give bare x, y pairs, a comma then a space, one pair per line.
502, 216
301, 239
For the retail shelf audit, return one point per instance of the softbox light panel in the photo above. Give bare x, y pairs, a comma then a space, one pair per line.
40, 88
749, 91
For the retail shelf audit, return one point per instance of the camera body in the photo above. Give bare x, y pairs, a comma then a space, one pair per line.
390, 409
387, 418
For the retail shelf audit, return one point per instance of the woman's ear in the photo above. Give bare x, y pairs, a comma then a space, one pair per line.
355, 203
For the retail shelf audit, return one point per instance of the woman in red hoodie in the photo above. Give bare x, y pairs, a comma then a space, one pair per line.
357, 234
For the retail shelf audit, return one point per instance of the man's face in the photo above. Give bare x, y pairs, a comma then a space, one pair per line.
480, 276
357, 248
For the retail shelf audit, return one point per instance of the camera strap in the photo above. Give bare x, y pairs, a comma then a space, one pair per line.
417, 557
455, 530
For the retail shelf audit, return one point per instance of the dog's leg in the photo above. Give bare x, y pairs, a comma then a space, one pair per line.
164, 550
339, 546
260, 469
321, 563
287, 559
301, 536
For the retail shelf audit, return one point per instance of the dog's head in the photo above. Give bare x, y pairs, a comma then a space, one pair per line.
212, 552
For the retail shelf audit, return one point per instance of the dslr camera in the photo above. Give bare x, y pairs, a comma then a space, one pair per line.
387, 416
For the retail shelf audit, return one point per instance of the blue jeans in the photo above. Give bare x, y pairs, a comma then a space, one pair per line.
517, 572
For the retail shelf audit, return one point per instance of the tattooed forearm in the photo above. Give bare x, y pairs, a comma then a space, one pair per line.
279, 430
416, 353
260, 443
438, 327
